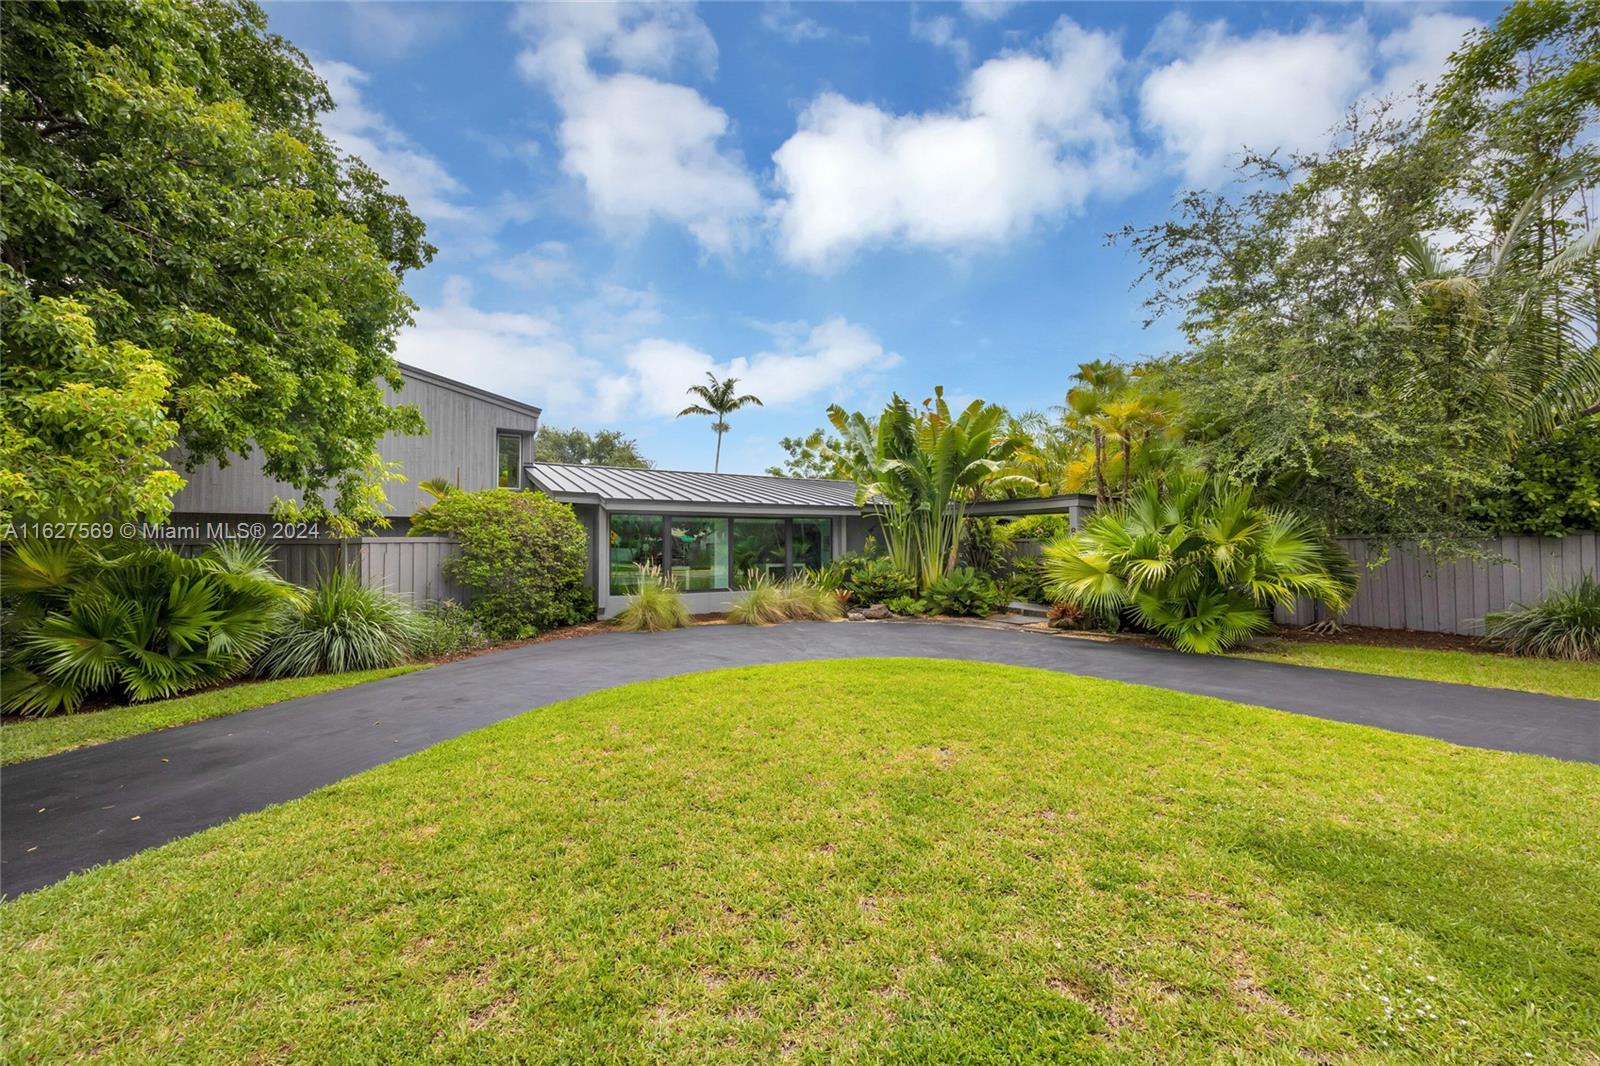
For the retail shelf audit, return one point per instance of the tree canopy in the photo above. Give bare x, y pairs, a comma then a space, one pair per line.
186, 257
605, 447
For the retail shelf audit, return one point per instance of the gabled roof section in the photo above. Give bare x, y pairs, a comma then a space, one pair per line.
418, 374
622, 487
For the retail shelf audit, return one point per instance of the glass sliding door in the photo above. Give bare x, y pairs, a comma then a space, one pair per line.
635, 539
759, 544
813, 543
700, 554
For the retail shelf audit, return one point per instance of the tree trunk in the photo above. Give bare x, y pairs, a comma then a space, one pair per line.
1099, 468
716, 464
1127, 467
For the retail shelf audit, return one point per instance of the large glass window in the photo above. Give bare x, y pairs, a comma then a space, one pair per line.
758, 544
700, 553
635, 540
509, 447
813, 543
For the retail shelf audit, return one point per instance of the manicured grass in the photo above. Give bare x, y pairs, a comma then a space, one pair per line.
29, 738
854, 861
1555, 677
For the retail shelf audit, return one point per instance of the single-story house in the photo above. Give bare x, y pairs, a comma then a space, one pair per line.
705, 530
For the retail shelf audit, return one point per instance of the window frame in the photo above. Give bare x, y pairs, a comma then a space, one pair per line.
500, 436
668, 517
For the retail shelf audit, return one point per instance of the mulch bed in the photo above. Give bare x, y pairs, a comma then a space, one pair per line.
1388, 638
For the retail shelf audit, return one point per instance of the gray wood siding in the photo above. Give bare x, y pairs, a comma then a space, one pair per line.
1413, 590
460, 446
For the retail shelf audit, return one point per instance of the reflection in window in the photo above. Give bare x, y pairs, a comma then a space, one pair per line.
635, 540
813, 543
509, 446
758, 544
700, 553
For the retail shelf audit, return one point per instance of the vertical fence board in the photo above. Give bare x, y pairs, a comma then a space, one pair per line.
1412, 590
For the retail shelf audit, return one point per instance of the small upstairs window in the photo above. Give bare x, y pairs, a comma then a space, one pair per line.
509, 446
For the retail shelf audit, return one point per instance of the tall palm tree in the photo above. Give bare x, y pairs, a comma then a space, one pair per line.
1098, 382
717, 400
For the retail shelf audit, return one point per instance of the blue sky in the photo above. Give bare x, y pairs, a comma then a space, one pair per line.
830, 201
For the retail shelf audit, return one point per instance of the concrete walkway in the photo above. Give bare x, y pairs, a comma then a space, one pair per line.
75, 810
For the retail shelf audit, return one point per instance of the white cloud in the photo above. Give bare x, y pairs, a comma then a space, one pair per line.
410, 170
1212, 94
546, 262
1268, 91
530, 357
834, 358
987, 10
1033, 136
940, 31
521, 355
644, 148
782, 18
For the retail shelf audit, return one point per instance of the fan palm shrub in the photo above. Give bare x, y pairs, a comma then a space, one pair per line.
655, 606
760, 604
132, 622
1563, 625
339, 626
1198, 562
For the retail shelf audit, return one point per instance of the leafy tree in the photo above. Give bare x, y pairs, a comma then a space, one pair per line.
173, 207
606, 447
1197, 561
816, 455
1553, 487
718, 400
1376, 327
523, 556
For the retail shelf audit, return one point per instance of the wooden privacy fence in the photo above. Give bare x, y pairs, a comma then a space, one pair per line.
410, 567
1412, 590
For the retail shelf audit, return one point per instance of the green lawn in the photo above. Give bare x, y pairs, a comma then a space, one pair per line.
29, 738
854, 861
1555, 677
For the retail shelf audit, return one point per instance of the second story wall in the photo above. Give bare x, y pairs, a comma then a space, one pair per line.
462, 446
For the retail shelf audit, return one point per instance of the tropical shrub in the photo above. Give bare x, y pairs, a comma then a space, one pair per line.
339, 626
132, 621
444, 627
1198, 562
1553, 487
869, 579
1069, 616
1563, 625
907, 606
655, 606
964, 591
761, 603
1026, 582
523, 556
804, 599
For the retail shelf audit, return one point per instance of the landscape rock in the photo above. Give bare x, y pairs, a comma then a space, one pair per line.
877, 610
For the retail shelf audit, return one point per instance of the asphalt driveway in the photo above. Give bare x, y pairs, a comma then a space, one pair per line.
75, 810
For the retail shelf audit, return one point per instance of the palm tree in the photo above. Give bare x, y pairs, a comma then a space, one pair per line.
717, 401
1099, 382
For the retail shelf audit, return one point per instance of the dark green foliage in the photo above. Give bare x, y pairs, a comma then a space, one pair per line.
1563, 625
173, 205
131, 622
964, 591
339, 626
522, 555
444, 627
869, 579
907, 606
1553, 487
1026, 581
606, 447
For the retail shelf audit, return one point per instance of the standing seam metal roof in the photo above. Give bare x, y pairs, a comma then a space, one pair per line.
682, 486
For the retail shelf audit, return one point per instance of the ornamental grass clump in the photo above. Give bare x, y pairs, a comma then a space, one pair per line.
805, 600
760, 604
341, 625
655, 606
1198, 562
1563, 625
